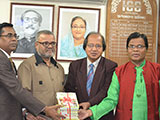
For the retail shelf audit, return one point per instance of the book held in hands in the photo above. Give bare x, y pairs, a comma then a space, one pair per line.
69, 103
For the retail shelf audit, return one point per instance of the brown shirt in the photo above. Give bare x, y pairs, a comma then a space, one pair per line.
42, 80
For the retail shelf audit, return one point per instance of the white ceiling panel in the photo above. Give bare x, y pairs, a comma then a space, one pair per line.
101, 2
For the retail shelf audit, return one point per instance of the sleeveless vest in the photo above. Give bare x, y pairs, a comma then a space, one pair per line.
127, 78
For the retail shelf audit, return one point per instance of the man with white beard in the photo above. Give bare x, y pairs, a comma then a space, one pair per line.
41, 74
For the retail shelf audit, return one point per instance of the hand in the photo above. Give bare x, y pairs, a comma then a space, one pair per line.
29, 116
85, 105
83, 114
40, 118
51, 111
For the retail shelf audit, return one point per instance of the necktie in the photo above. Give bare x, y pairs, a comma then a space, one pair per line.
11, 62
13, 66
90, 79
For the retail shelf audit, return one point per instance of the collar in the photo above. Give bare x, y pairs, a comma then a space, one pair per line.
5, 53
39, 60
95, 63
142, 64
134, 66
27, 40
31, 38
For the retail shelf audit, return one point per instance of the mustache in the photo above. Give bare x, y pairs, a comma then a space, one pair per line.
48, 49
30, 26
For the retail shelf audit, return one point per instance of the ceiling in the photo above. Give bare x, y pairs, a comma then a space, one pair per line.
83, 1
96, 2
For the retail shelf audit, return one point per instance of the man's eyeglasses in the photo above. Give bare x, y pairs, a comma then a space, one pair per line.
97, 46
46, 44
10, 35
138, 46
28, 19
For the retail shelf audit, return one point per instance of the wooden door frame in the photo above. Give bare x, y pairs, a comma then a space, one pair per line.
158, 51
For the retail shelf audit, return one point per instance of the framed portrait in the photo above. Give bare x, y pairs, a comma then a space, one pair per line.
74, 23
27, 20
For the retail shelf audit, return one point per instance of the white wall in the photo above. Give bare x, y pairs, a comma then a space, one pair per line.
5, 17
4, 10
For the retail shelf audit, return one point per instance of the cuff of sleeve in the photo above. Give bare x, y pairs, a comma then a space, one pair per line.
93, 112
42, 112
23, 109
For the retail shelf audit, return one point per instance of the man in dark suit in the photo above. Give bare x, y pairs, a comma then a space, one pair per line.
91, 87
12, 95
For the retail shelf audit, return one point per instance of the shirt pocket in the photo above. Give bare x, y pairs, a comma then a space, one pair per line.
40, 85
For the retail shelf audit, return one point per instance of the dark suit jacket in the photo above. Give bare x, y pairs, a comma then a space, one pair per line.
77, 79
24, 46
12, 95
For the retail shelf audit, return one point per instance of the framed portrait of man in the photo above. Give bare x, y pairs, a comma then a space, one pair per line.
74, 23
27, 20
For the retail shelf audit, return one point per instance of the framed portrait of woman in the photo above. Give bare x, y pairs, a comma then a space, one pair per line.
27, 20
74, 23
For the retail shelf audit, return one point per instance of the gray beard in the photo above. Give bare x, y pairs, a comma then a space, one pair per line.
45, 55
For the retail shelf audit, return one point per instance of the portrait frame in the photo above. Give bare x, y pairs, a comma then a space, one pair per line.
65, 15
17, 9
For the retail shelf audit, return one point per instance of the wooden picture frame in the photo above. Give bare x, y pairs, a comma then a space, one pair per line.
89, 21
27, 20
158, 49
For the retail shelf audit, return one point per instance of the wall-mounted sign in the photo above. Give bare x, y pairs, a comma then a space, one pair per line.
125, 17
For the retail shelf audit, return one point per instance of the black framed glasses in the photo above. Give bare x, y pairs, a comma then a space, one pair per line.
46, 44
10, 35
28, 19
